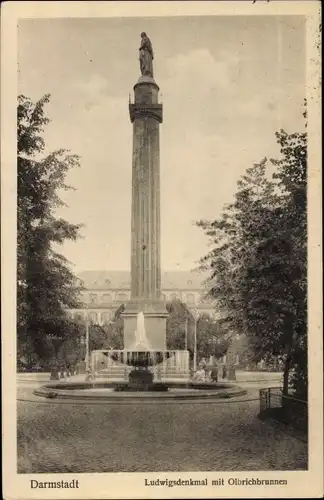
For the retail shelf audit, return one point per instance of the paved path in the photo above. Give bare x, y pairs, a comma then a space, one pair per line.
227, 435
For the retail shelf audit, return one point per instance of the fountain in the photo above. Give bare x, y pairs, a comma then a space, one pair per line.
140, 357
130, 375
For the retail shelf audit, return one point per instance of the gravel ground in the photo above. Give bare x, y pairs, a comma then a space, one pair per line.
68, 437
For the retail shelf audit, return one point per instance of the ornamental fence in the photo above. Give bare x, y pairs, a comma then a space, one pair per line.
286, 409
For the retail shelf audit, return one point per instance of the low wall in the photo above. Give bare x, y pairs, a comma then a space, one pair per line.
32, 376
243, 376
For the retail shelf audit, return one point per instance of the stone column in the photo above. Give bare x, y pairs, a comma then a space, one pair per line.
146, 116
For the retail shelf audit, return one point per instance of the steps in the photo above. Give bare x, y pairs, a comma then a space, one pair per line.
121, 372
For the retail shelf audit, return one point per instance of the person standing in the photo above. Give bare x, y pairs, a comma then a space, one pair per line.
214, 373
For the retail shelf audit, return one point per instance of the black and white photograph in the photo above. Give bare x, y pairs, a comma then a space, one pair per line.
161, 302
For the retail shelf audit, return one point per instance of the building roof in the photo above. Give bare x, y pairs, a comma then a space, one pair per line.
170, 280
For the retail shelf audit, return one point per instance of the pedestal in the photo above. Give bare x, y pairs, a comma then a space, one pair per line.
155, 315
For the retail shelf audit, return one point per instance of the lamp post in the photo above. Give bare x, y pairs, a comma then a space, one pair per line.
195, 341
87, 342
82, 347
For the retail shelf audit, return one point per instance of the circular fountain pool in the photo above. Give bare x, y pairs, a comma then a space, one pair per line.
108, 391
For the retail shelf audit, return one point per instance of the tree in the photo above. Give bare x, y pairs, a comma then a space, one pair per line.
97, 337
178, 323
116, 329
258, 261
292, 177
71, 351
210, 338
107, 336
45, 284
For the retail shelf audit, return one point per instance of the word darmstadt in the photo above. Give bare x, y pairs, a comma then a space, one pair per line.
54, 484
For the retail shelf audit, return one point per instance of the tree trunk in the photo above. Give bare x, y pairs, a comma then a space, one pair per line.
286, 372
55, 368
289, 347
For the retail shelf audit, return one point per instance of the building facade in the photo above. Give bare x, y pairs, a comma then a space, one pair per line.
105, 291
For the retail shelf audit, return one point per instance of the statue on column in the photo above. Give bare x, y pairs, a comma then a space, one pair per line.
146, 56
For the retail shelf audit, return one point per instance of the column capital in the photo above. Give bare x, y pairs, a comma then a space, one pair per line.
146, 110
146, 80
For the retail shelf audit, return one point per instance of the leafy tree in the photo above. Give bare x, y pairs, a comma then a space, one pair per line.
178, 322
242, 347
116, 334
210, 338
45, 284
258, 260
97, 337
107, 336
116, 329
71, 351
292, 177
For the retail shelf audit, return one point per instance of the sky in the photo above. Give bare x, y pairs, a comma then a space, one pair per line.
226, 84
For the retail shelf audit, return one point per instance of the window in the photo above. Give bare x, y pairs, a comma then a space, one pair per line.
85, 297
106, 298
93, 298
190, 298
174, 296
93, 317
122, 297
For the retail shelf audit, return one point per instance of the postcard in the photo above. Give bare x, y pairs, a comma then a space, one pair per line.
161, 250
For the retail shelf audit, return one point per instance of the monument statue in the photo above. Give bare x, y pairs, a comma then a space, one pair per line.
146, 56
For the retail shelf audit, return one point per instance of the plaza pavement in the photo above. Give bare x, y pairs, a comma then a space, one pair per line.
133, 437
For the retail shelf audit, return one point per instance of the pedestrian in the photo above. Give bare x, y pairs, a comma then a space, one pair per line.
224, 372
202, 363
214, 373
207, 372
200, 375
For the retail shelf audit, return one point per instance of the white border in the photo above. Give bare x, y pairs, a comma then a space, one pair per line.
126, 485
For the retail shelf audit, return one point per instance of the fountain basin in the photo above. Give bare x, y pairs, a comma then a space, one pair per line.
116, 364
106, 392
139, 358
